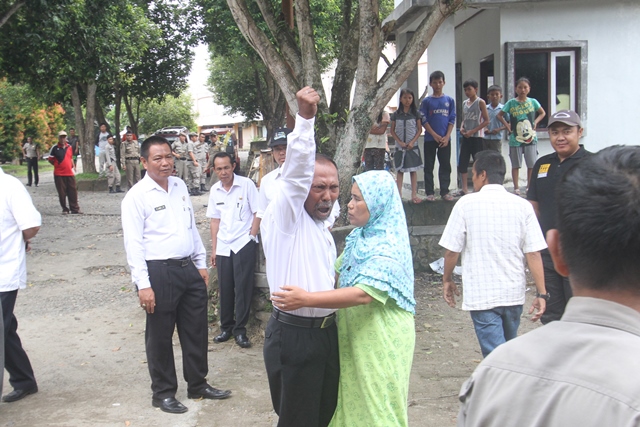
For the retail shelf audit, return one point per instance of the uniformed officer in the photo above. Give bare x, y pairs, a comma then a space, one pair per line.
179, 148
202, 149
130, 153
193, 165
214, 147
113, 172
168, 265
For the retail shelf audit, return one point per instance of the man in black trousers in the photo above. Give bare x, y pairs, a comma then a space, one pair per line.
168, 266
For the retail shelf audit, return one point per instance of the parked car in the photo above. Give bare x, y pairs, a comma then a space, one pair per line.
171, 133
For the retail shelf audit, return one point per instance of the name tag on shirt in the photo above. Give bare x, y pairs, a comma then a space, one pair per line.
159, 208
544, 169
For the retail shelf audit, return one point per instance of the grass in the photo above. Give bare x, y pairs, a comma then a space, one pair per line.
87, 176
21, 170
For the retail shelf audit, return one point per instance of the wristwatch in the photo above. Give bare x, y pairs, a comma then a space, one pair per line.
543, 296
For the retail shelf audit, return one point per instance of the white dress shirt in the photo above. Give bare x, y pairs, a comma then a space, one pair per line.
299, 250
159, 225
269, 188
493, 229
235, 210
17, 213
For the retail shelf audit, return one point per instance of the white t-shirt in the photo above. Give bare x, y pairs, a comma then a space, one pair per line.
17, 213
493, 229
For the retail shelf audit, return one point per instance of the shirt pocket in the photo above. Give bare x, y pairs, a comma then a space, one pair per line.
186, 215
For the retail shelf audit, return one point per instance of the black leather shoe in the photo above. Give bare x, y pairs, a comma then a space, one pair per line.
224, 336
19, 394
210, 393
243, 341
170, 405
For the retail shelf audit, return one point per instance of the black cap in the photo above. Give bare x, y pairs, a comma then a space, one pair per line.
280, 137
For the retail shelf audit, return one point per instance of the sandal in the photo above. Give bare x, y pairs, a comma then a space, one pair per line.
516, 191
448, 197
431, 198
460, 194
416, 200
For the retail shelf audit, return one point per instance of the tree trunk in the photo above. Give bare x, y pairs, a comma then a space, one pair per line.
117, 125
88, 158
13, 9
132, 118
100, 117
370, 95
77, 112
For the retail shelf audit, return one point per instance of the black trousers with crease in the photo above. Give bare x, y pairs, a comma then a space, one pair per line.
181, 302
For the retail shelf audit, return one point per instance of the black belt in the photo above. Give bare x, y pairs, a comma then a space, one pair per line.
133, 158
174, 262
182, 158
304, 322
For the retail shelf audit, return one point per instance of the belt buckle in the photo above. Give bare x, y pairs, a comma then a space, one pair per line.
325, 321
185, 262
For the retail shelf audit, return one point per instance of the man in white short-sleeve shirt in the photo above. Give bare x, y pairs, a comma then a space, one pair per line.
301, 346
169, 267
233, 203
495, 231
19, 222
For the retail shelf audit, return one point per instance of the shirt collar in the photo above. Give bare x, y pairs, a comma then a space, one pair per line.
493, 187
577, 155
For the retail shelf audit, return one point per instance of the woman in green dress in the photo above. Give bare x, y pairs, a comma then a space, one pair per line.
376, 329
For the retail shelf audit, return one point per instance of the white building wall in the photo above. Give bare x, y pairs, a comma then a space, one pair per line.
477, 37
613, 34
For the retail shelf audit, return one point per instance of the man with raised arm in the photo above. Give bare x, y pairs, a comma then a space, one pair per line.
301, 346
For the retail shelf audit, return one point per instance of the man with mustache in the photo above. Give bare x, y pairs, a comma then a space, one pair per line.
301, 346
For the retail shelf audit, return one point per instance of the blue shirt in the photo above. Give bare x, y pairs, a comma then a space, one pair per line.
439, 112
494, 123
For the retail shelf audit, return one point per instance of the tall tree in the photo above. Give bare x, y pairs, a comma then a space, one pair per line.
293, 59
243, 85
171, 111
165, 66
80, 48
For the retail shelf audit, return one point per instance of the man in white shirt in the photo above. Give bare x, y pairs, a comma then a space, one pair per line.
168, 265
101, 142
301, 346
19, 222
582, 370
233, 202
495, 232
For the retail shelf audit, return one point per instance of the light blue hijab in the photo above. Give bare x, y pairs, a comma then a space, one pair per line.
378, 254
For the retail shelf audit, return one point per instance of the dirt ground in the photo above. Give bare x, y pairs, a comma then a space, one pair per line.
81, 325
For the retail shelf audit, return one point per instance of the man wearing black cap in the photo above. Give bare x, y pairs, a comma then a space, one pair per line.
565, 131
278, 146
